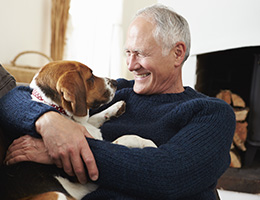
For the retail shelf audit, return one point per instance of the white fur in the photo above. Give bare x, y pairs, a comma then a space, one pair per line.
99, 119
107, 84
134, 141
76, 190
46, 99
61, 196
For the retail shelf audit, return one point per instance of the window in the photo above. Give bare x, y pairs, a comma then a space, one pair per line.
94, 35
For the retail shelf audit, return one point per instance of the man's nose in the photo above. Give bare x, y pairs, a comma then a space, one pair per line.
131, 62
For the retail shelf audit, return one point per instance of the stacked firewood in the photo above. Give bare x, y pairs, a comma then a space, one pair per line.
240, 135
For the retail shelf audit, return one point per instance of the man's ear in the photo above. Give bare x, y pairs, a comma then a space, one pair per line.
179, 51
72, 89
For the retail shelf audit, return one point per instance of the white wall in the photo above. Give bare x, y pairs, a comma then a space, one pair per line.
220, 24
25, 25
217, 25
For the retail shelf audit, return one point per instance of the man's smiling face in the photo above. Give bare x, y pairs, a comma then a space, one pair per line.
153, 72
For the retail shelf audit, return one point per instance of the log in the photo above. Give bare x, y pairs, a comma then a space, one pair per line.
237, 101
231, 98
241, 130
235, 159
241, 114
240, 135
225, 95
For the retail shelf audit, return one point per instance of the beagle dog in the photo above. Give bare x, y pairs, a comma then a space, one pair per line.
71, 88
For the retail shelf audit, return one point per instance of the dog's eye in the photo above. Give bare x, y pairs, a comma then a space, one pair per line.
90, 81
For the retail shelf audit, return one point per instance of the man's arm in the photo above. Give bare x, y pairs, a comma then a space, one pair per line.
19, 113
20, 116
189, 163
7, 81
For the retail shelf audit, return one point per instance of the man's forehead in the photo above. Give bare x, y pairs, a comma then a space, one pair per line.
139, 25
140, 44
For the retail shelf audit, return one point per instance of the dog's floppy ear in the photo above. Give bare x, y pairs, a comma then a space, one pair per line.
72, 88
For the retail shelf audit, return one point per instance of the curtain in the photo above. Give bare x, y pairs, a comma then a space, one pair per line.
59, 20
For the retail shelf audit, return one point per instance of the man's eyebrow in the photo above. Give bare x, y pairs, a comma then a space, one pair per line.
134, 50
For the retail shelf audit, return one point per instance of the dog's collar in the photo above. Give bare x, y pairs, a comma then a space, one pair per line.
36, 94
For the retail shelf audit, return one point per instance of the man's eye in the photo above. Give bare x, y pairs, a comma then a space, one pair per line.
140, 55
127, 53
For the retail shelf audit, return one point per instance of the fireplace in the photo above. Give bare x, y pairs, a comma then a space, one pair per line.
237, 70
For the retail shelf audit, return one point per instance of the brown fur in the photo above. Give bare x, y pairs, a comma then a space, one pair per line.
45, 196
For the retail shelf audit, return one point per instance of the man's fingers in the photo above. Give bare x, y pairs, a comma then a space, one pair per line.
90, 162
78, 168
17, 143
13, 160
15, 156
58, 163
20, 139
15, 152
67, 167
11, 154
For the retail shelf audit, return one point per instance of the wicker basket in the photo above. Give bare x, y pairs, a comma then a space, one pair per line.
24, 73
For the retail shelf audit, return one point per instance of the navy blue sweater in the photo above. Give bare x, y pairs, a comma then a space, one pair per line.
193, 133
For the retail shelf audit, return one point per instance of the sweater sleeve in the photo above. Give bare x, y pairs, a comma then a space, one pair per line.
123, 83
188, 164
19, 112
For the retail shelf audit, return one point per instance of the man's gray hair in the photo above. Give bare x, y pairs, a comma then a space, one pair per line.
170, 27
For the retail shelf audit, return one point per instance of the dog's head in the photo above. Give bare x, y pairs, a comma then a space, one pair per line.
73, 86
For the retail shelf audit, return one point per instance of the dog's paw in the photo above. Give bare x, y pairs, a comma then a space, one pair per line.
134, 141
116, 110
121, 105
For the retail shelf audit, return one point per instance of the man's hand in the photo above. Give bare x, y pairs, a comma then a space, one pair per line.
67, 146
27, 148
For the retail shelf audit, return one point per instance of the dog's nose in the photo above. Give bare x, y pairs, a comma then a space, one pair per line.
113, 83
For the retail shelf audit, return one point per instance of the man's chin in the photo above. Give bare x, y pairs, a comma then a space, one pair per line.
140, 89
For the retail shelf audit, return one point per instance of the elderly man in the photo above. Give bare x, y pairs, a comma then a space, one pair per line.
193, 132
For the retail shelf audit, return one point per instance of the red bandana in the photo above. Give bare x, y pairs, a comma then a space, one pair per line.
39, 97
